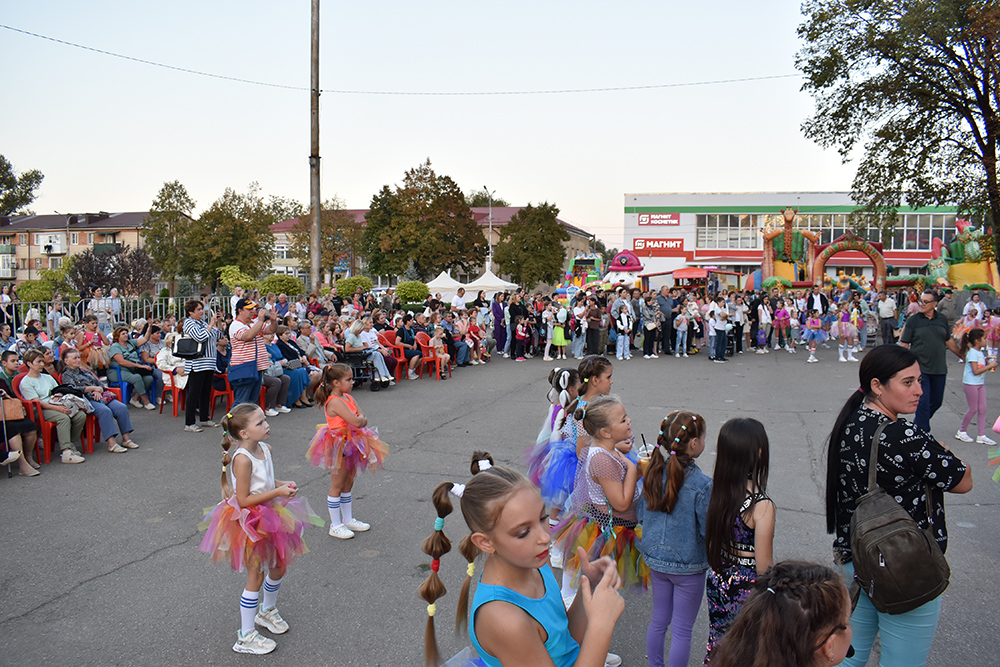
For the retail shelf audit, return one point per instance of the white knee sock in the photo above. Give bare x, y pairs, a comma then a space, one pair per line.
345, 508
270, 592
248, 610
333, 504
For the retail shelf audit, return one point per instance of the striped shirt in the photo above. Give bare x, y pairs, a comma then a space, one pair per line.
200, 332
243, 350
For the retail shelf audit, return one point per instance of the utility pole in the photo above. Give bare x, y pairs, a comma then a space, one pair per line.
489, 253
314, 156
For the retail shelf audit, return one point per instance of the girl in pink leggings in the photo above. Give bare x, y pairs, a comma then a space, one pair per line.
976, 364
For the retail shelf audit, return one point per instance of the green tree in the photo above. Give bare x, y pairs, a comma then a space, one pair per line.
913, 88
482, 198
17, 192
340, 236
426, 220
230, 275
282, 284
530, 247
235, 230
166, 230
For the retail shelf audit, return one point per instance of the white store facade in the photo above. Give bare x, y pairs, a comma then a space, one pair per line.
722, 230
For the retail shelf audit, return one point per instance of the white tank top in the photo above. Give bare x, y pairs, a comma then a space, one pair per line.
261, 473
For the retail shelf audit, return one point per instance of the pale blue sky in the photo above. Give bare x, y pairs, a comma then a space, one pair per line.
107, 132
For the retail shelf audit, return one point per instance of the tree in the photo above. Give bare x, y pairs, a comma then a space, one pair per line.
606, 253
127, 268
426, 220
914, 86
530, 247
17, 192
166, 230
282, 284
340, 237
478, 198
235, 230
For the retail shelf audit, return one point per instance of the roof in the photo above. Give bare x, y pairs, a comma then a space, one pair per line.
81, 222
480, 214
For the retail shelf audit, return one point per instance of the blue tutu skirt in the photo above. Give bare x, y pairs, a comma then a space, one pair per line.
815, 336
559, 474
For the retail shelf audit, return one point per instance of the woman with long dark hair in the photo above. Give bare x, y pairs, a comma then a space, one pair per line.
910, 460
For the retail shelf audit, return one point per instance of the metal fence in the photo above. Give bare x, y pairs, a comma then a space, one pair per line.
126, 310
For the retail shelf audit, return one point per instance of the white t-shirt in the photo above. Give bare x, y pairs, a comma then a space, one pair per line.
369, 338
458, 302
978, 307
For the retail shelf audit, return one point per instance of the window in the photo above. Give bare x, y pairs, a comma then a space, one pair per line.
90, 238
38, 263
55, 262
726, 232
38, 239
74, 238
22, 239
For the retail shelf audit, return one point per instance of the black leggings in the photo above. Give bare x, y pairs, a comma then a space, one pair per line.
648, 338
199, 389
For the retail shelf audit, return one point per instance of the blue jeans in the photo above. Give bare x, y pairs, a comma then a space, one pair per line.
461, 352
509, 345
681, 346
108, 414
248, 392
930, 400
721, 341
621, 347
906, 638
579, 340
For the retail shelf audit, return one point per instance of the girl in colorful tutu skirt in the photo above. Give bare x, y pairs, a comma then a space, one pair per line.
814, 334
991, 324
517, 597
345, 446
845, 331
257, 527
564, 386
603, 520
739, 529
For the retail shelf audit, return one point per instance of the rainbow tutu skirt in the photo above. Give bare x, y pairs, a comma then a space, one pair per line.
619, 542
349, 447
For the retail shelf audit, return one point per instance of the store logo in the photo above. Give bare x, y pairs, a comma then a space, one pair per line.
659, 247
673, 219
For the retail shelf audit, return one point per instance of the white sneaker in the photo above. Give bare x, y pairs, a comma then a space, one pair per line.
776, 346
193, 428
985, 440
341, 532
677, 355
272, 620
148, 406
413, 376
851, 357
812, 359
547, 359
613, 660
69, 456
685, 355
655, 356
357, 526
506, 355
282, 408
210, 424
135, 402
963, 436
253, 642
271, 412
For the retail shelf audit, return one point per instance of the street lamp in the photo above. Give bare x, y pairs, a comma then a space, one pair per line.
489, 255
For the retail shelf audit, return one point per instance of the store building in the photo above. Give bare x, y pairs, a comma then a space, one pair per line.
671, 231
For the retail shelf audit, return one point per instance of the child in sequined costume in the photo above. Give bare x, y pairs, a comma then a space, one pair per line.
345, 446
739, 530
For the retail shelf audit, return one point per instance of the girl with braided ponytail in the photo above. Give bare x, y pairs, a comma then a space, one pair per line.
673, 509
799, 615
517, 616
258, 525
739, 529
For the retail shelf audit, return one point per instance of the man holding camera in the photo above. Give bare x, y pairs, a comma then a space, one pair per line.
246, 334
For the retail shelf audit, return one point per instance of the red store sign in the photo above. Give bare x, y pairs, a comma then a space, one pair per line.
658, 247
673, 219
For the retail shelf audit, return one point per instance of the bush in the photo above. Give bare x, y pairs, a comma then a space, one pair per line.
348, 286
232, 275
282, 284
412, 291
35, 290
412, 307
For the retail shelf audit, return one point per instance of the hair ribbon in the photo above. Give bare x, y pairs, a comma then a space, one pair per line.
458, 490
484, 464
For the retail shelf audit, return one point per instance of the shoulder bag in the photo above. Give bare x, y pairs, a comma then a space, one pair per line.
244, 373
899, 566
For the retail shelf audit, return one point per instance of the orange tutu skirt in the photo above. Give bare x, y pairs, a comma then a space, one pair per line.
619, 542
349, 447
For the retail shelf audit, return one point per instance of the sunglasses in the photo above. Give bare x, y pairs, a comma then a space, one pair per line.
850, 649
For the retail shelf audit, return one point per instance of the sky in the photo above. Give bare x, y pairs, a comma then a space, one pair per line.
108, 132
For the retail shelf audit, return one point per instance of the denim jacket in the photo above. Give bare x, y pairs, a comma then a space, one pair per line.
675, 543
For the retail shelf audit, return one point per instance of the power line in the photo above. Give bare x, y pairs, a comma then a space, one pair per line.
563, 91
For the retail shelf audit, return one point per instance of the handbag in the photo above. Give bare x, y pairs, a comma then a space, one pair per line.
13, 409
650, 326
899, 566
275, 370
186, 347
244, 373
294, 364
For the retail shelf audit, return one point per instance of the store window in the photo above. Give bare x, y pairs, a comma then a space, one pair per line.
727, 232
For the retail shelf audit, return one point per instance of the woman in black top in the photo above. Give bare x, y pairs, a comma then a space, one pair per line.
908, 459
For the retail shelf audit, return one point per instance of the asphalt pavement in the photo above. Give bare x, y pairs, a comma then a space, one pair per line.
102, 565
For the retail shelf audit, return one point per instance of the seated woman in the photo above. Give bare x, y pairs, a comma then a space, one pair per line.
171, 367
107, 408
152, 347
353, 343
69, 425
276, 385
93, 345
287, 353
125, 355
406, 339
324, 336
20, 436
369, 337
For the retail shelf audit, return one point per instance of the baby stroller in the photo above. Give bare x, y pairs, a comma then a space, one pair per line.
364, 370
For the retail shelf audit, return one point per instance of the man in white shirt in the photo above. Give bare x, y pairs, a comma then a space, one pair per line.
886, 317
458, 301
237, 295
101, 307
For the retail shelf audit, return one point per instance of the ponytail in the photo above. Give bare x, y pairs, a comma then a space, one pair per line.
591, 367
969, 338
232, 424
672, 454
332, 373
435, 546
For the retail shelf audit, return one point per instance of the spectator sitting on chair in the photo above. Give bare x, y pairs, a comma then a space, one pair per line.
310, 345
38, 386
108, 413
370, 338
29, 342
296, 365
406, 339
460, 347
21, 434
171, 367
281, 308
149, 351
353, 343
125, 356
324, 336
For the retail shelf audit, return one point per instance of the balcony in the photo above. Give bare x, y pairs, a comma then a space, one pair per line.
106, 248
6, 249
53, 249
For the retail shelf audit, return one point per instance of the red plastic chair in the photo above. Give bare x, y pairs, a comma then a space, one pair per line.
397, 354
429, 357
263, 395
389, 335
92, 429
228, 393
33, 411
179, 395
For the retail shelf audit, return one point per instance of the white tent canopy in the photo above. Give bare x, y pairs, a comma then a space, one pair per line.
446, 285
490, 283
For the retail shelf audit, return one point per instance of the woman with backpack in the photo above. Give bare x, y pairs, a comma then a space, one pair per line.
911, 463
